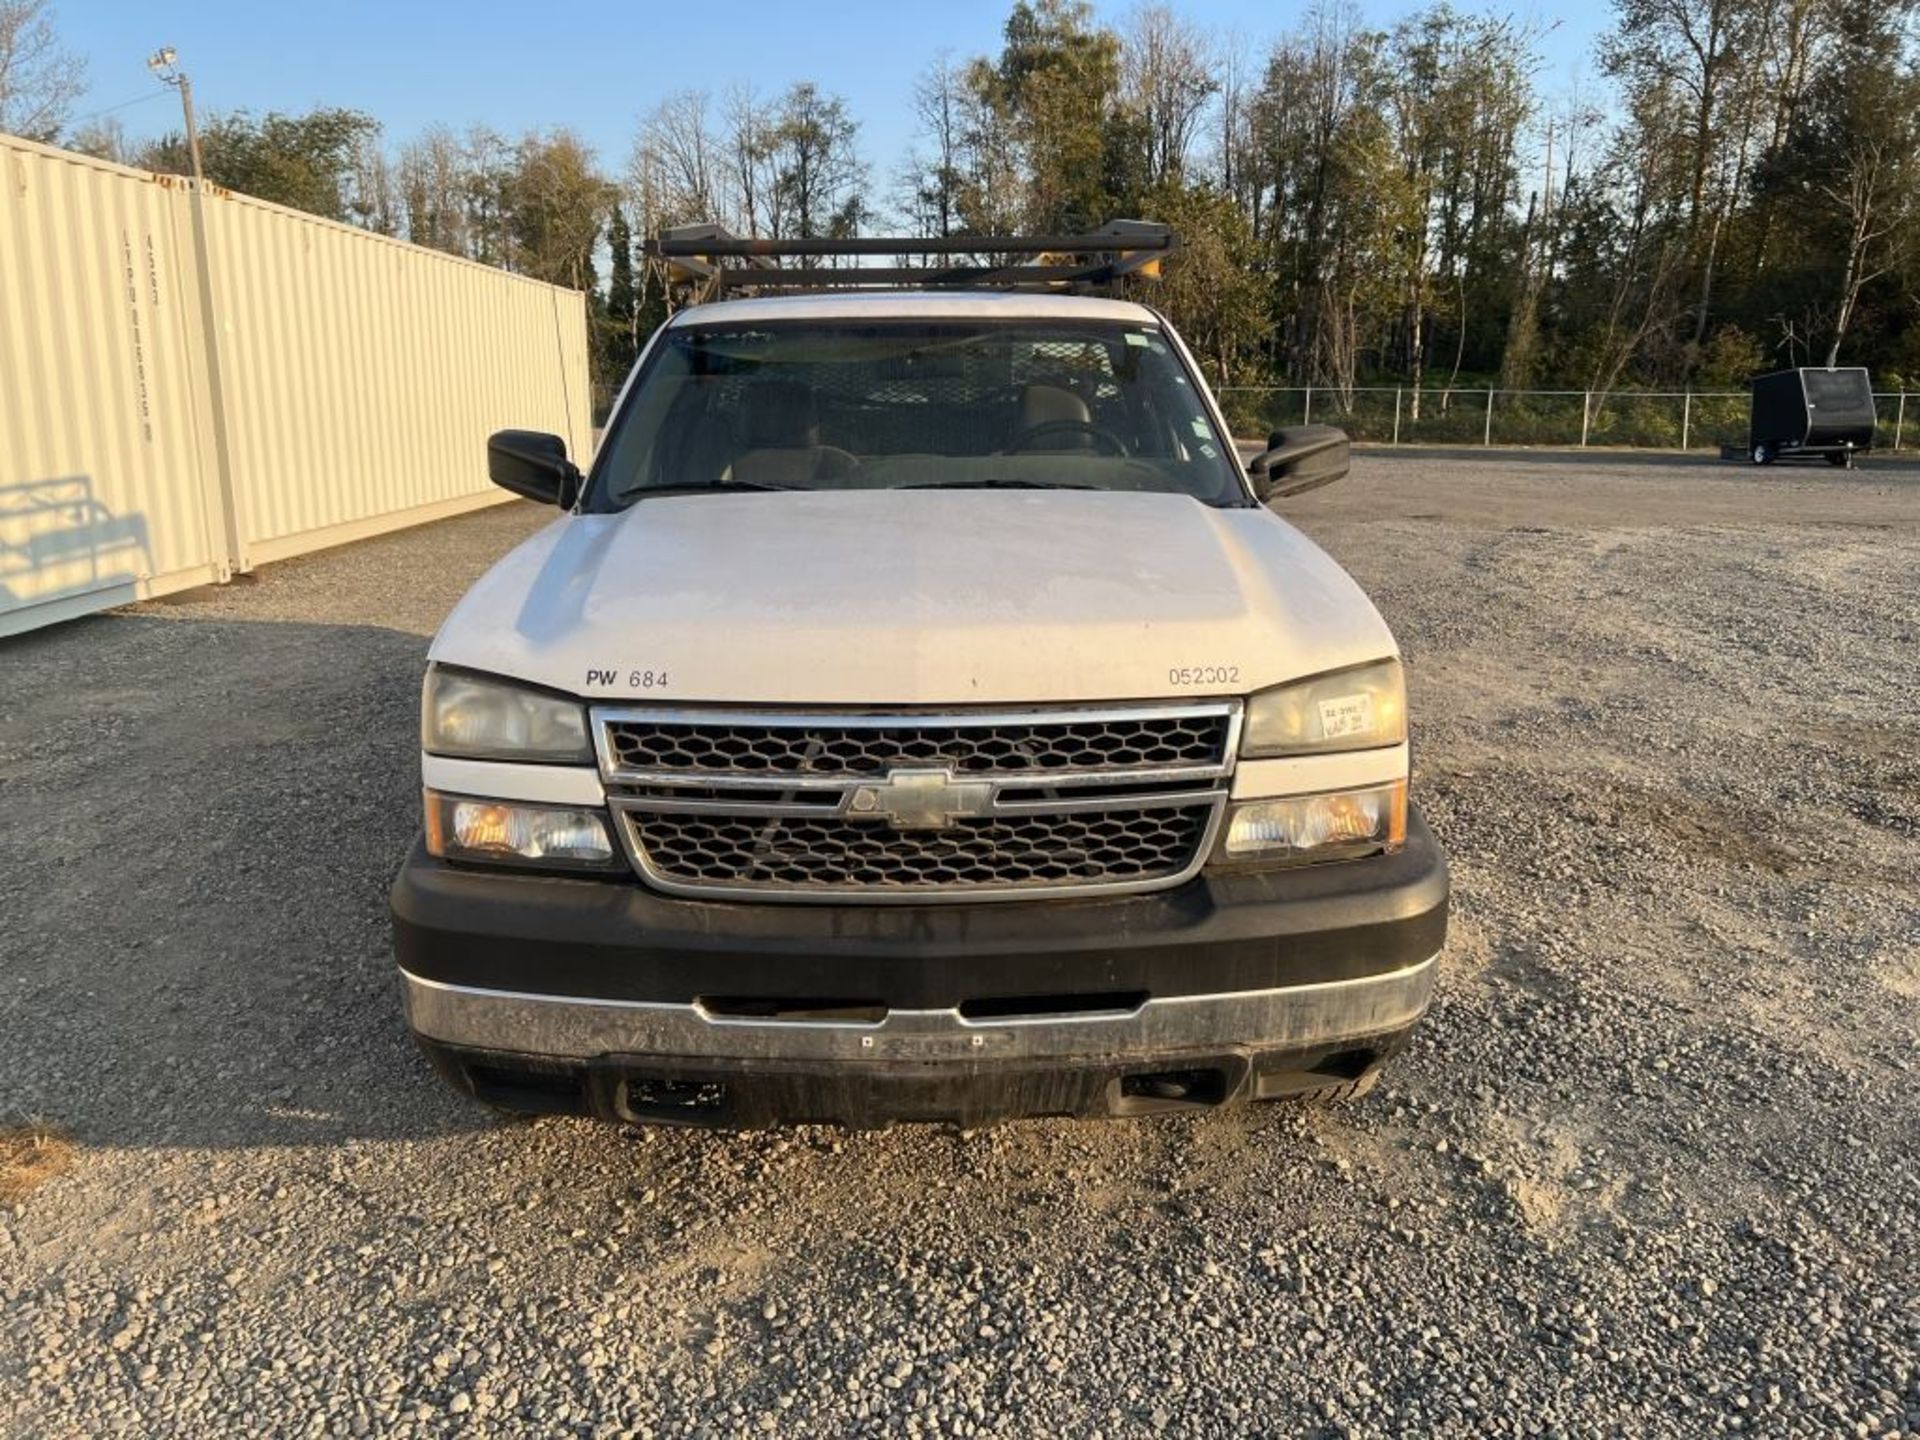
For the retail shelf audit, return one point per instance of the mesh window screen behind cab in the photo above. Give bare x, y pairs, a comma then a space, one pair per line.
964, 402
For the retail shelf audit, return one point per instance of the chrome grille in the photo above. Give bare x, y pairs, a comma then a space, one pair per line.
831, 746
917, 806
1013, 852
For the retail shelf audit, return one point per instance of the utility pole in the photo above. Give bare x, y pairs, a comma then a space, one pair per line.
164, 64
223, 508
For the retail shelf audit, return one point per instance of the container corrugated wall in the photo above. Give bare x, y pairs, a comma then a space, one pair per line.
105, 450
363, 376
358, 379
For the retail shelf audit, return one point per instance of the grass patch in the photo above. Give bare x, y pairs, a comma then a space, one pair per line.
30, 1155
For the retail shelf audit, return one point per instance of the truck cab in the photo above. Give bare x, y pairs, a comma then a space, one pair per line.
915, 712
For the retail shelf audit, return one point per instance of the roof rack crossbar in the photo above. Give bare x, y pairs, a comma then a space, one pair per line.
716, 243
811, 277
698, 253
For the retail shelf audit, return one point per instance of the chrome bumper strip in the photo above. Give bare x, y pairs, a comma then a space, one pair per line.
573, 1027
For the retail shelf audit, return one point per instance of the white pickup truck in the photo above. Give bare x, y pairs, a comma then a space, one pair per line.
915, 713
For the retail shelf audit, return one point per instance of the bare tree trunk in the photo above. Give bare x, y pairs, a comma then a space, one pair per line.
1849, 293
1707, 266
1871, 207
1789, 88
1459, 342
1721, 217
1416, 338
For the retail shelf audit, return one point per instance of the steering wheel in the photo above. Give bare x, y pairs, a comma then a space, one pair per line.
1104, 439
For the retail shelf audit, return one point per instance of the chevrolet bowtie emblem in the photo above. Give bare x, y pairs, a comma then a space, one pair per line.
921, 799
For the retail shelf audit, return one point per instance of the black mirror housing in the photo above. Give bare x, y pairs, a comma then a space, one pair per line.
533, 464
1298, 459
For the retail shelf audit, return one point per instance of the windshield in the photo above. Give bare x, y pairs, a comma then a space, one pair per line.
813, 405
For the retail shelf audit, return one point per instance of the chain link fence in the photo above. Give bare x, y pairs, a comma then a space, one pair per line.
1640, 419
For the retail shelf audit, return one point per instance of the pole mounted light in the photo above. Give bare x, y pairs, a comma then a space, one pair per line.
165, 65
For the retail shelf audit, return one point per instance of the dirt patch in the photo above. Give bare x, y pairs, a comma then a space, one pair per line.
30, 1155
1708, 831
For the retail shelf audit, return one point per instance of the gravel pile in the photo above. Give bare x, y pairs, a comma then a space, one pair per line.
1649, 1169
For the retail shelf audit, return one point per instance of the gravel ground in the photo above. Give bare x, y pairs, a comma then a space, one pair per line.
1649, 1169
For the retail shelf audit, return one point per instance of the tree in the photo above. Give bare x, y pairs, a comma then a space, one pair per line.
104, 139
1849, 164
1214, 290
555, 200
818, 177
1233, 135
1318, 155
306, 161
932, 188
623, 299
992, 193
1622, 281
1056, 84
373, 198
1456, 91
431, 174
1167, 80
39, 79
676, 163
1873, 195
1695, 55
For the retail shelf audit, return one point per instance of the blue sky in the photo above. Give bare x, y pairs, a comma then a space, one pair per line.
599, 68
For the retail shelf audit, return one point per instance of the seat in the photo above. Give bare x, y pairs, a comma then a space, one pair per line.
783, 438
1048, 405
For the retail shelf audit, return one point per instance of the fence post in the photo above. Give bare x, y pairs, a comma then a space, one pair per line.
1396, 419
1686, 419
1586, 415
1486, 437
1899, 419
1306, 413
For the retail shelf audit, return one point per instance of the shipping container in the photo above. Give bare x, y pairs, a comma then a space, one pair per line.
175, 408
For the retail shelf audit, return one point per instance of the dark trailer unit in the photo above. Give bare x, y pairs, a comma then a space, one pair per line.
1811, 412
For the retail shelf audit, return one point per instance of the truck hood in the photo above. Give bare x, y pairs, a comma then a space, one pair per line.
890, 597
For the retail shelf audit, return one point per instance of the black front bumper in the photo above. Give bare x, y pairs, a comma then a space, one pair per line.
615, 940
1043, 1007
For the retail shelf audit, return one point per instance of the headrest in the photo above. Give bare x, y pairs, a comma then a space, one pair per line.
1042, 404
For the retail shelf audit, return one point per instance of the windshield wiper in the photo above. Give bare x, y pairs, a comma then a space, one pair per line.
701, 487
994, 485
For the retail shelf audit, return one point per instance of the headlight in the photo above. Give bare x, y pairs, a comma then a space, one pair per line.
480, 718
1361, 708
566, 836
1317, 827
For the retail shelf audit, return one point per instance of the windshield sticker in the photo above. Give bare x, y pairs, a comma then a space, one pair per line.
1346, 715
1134, 337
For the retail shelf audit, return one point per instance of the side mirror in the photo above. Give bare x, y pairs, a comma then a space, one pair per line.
535, 465
1300, 459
